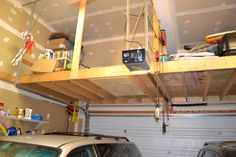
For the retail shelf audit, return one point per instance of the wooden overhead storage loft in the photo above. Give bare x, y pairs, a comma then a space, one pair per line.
183, 81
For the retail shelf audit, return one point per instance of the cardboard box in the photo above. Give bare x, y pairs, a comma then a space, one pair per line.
59, 44
44, 66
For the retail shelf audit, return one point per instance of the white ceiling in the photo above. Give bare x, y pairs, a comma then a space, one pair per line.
185, 21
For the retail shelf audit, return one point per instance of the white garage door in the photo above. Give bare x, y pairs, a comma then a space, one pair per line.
185, 134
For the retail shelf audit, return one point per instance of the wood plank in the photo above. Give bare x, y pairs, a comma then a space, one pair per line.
6, 77
65, 91
121, 70
106, 72
80, 91
142, 85
78, 38
184, 86
45, 77
99, 72
200, 64
229, 84
88, 85
48, 92
207, 85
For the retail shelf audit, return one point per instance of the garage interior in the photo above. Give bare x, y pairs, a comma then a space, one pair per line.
167, 107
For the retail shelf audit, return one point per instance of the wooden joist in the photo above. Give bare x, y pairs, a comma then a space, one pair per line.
45, 77
207, 85
199, 64
99, 72
80, 91
89, 86
65, 91
7, 77
49, 92
139, 81
229, 84
184, 86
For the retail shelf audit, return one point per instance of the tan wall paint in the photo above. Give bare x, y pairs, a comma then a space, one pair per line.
58, 115
17, 18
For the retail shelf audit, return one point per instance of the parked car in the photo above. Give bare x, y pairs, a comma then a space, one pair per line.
218, 149
67, 145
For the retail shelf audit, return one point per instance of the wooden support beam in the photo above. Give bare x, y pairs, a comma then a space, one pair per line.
156, 28
207, 85
6, 77
138, 80
65, 91
49, 93
99, 72
78, 39
202, 64
229, 84
45, 77
88, 85
79, 91
184, 86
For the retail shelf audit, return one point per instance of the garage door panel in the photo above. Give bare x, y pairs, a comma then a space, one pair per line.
185, 134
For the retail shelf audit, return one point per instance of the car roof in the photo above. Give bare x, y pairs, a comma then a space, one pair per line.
59, 140
220, 145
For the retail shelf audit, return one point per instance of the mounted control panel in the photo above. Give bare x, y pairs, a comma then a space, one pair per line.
135, 60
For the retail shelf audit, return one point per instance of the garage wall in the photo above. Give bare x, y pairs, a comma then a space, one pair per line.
13, 21
185, 134
52, 112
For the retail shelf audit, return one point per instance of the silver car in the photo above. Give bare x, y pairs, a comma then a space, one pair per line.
67, 145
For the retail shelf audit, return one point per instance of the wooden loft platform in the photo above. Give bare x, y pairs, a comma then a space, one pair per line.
185, 81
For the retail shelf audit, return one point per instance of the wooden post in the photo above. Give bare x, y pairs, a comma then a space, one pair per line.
78, 39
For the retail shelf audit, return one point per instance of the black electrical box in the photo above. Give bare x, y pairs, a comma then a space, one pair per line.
135, 60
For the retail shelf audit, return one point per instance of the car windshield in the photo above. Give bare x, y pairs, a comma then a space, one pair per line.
12, 149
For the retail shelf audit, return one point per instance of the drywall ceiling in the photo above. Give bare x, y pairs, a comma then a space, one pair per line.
185, 21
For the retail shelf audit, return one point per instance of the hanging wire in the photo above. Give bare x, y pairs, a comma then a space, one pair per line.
131, 41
